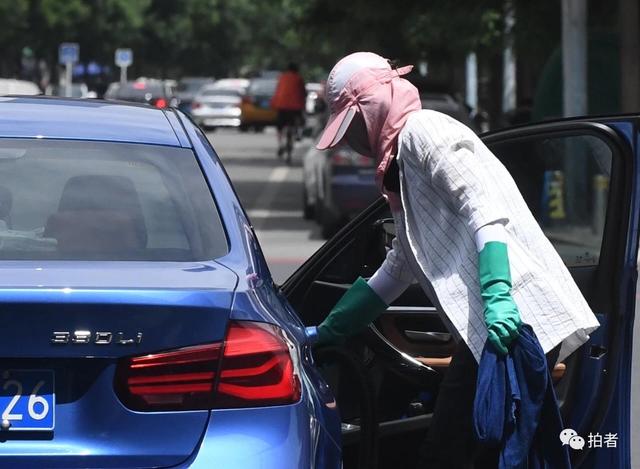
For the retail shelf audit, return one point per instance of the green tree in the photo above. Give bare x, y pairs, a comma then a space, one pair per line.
14, 16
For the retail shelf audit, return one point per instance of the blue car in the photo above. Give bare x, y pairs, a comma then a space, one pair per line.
140, 325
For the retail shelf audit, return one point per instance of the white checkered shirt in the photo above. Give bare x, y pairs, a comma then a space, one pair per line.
452, 185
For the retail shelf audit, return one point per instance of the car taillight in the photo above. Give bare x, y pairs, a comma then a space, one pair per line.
252, 367
195, 105
161, 103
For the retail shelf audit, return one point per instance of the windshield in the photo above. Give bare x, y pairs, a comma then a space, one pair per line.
192, 86
221, 92
263, 87
77, 90
63, 200
137, 91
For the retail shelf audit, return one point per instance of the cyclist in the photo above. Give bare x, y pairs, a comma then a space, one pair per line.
288, 100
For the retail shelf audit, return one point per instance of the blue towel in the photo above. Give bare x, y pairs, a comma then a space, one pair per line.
515, 408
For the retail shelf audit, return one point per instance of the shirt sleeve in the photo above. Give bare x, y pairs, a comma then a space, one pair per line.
388, 288
449, 157
396, 265
488, 233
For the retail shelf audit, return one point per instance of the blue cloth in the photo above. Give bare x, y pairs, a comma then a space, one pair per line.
515, 407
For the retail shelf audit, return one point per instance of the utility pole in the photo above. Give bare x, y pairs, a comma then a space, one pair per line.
471, 73
508, 60
574, 87
629, 18
574, 57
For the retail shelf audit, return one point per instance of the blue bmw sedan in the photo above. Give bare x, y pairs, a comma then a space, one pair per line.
140, 325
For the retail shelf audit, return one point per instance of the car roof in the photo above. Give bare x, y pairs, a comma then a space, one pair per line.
81, 119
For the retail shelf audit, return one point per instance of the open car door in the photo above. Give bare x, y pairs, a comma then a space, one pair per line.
579, 178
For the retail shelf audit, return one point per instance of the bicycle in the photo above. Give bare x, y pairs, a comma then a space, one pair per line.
291, 134
288, 147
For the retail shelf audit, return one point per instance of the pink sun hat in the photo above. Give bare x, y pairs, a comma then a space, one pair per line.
341, 104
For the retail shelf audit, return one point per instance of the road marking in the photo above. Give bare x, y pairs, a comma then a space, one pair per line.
279, 174
261, 213
268, 195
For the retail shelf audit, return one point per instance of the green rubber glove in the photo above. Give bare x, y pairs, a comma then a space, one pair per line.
500, 311
357, 308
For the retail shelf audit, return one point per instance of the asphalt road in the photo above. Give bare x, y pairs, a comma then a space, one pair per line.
271, 193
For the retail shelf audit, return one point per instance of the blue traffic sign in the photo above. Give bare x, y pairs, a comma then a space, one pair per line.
68, 52
124, 57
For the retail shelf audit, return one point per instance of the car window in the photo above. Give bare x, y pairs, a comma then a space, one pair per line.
138, 91
220, 92
191, 86
65, 200
565, 182
263, 87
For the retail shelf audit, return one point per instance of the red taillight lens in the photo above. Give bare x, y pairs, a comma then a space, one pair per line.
161, 103
178, 379
257, 369
195, 105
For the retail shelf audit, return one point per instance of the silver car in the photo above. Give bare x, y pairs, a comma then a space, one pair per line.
217, 107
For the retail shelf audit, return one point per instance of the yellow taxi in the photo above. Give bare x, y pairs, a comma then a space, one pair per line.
256, 111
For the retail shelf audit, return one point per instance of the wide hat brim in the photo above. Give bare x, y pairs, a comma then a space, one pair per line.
336, 127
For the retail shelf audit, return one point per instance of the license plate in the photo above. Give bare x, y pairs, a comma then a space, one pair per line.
27, 400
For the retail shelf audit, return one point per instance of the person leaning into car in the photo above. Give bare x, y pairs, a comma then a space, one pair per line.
464, 232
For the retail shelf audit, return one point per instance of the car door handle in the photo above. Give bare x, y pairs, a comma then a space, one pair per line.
430, 337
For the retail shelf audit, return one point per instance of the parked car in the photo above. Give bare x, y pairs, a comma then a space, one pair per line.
157, 93
217, 107
238, 84
578, 178
337, 185
256, 104
187, 89
138, 310
78, 90
9, 86
315, 97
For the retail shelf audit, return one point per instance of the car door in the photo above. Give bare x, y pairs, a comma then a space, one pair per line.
579, 180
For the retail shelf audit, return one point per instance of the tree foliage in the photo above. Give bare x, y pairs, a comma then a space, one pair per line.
219, 37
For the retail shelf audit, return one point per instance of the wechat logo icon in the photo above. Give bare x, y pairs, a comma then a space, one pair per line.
570, 437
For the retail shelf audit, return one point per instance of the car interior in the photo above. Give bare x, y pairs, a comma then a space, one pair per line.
98, 213
401, 358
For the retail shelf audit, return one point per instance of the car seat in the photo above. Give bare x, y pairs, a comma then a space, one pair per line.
99, 217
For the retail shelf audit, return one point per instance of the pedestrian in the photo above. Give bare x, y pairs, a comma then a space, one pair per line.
464, 232
289, 100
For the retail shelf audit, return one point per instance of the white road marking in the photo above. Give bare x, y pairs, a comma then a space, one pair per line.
279, 174
262, 213
268, 195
